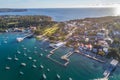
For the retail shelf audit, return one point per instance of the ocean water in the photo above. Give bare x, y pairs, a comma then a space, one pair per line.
79, 68
67, 13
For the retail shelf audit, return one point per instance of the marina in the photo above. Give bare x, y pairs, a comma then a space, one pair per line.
110, 69
35, 63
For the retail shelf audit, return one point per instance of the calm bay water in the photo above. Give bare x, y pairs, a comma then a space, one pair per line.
67, 14
79, 68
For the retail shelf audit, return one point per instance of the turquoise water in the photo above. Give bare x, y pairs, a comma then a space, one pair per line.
79, 68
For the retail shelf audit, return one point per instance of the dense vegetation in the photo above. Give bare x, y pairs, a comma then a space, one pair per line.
23, 21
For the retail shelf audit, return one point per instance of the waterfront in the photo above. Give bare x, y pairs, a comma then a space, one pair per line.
79, 68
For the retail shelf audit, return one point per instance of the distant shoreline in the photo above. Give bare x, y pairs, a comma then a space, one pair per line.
11, 10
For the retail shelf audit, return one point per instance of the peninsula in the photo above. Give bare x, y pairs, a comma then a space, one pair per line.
100, 36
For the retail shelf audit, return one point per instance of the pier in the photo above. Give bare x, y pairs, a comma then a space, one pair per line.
55, 60
91, 57
65, 57
52, 51
19, 39
111, 68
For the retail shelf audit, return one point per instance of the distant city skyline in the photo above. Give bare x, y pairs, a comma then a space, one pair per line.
57, 3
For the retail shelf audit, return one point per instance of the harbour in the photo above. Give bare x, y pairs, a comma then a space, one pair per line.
31, 64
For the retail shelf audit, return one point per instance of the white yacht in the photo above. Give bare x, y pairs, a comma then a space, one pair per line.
23, 64
19, 39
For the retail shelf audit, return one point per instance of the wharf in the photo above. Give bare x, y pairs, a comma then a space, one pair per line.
91, 57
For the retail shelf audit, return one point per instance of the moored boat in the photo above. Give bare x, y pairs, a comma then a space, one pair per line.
34, 66
7, 67
58, 76
21, 73
9, 58
44, 76
23, 64
41, 66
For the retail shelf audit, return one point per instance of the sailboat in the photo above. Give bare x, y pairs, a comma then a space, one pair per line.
58, 76
29, 58
41, 48
25, 54
24, 48
16, 59
5, 42
9, 58
42, 66
34, 60
44, 76
35, 47
34, 66
18, 52
7, 67
35, 52
21, 73
48, 69
70, 78
46, 50
41, 54
23, 64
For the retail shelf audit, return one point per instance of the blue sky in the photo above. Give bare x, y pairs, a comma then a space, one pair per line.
53, 3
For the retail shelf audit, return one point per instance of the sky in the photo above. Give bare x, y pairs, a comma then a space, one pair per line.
55, 3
